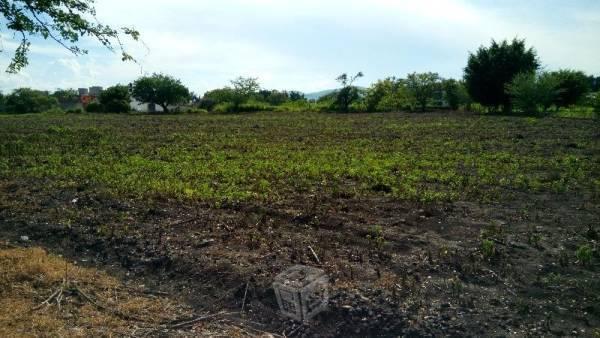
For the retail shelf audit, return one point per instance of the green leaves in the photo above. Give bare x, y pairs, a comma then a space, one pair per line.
64, 21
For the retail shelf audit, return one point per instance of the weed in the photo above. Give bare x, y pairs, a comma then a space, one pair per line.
376, 238
585, 254
488, 248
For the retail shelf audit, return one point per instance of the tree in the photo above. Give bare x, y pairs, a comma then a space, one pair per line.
296, 96
244, 88
2, 99
67, 98
594, 83
489, 70
160, 89
423, 86
273, 97
26, 100
64, 21
388, 95
451, 90
572, 87
116, 99
531, 91
348, 94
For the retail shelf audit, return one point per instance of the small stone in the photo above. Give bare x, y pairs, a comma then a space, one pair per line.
25, 238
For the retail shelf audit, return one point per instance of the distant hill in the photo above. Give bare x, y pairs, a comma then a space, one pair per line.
318, 95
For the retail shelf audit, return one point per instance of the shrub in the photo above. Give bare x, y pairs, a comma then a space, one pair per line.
388, 95
223, 108
585, 254
54, 110
75, 111
94, 107
26, 100
116, 99
254, 106
572, 87
530, 92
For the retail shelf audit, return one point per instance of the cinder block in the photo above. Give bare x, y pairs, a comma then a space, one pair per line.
302, 292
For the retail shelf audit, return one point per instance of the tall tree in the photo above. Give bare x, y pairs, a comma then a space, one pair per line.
531, 91
160, 89
490, 69
64, 21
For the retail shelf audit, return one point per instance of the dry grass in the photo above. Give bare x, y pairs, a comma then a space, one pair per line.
29, 276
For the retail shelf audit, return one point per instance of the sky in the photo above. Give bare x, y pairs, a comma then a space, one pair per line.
305, 44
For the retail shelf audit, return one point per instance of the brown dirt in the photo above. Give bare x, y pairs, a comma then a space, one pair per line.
429, 277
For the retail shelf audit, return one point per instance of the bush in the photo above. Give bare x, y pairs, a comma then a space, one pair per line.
116, 99
54, 110
423, 87
195, 110
530, 92
26, 100
75, 111
254, 106
224, 108
94, 107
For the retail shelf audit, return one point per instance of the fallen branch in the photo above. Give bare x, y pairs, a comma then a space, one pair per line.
314, 254
245, 294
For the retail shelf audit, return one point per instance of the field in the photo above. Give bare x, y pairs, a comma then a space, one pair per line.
439, 223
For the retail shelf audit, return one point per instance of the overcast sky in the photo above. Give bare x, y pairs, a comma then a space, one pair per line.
306, 44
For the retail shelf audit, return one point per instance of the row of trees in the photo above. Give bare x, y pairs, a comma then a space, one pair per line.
503, 77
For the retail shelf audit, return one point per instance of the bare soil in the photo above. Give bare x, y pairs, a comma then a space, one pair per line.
429, 276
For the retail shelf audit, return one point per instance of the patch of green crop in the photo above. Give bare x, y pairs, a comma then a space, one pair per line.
275, 156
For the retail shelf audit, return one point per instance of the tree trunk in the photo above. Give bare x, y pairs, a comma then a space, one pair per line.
165, 108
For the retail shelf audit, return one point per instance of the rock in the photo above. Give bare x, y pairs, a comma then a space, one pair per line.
25, 238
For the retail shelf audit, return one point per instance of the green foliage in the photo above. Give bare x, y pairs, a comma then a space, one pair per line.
244, 88
67, 98
64, 21
225, 107
26, 100
490, 69
215, 97
422, 87
488, 248
594, 100
116, 99
162, 90
2, 102
273, 97
348, 94
376, 237
572, 87
94, 107
585, 254
452, 93
388, 95
531, 91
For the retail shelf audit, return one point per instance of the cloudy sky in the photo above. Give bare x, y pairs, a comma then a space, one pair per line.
305, 44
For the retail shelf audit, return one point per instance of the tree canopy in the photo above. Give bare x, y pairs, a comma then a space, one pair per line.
160, 89
490, 69
116, 99
64, 21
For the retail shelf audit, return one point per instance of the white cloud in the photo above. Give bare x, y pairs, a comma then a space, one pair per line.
306, 44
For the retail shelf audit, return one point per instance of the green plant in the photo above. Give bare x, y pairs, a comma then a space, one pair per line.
65, 21
488, 248
94, 107
530, 92
585, 254
116, 99
376, 237
423, 86
26, 100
